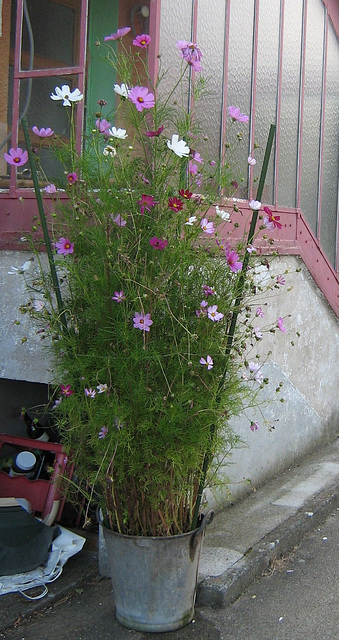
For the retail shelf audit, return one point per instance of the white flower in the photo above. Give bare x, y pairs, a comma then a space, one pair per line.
118, 133
179, 147
102, 388
64, 93
255, 205
26, 265
109, 151
224, 215
251, 161
190, 221
121, 90
38, 305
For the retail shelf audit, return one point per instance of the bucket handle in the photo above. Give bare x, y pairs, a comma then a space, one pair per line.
206, 519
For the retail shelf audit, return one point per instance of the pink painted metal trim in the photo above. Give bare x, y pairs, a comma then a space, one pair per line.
322, 125
301, 104
81, 82
278, 109
225, 80
154, 32
253, 91
55, 71
332, 7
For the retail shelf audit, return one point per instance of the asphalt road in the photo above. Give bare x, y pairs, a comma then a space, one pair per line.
298, 599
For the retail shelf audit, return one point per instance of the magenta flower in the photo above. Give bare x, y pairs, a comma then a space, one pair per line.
146, 203
66, 390
158, 243
103, 432
280, 325
208, 362
233, 260
259, 312
72, 178
103, 126
185, 193
142, 41
119, 220
64, 246
141, 97
254, 426
214, 314
155, 134
281, 280
191, 54
119, 34
142, 321
271, 222
50, 189
207, 227
42, 133
175, 204
208, 291
119, 296
16, 157
236, 115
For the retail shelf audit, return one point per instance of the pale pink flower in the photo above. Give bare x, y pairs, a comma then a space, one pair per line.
255, 205
90, 393
281, 280
72, 178
259, 312
42, 133
141, 97
103, 126
119, 220
236, 115
257, 333
251, 161
191, 54
251, 249
103, 432
120, 33
280, 325
208, 291
214, 314
16, 157
50, 189
119, 296
142, 321
206, 226
202, 311
208, 362
254, 426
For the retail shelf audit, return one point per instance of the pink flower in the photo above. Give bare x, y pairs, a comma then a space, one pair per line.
207, 227
281, 280
142, 41
197, 157
236, 115
90, 393
42, 133
119, 220
213, 314
146, 203
119, 34
257, 333
66, 390
254, 426
175, 204
158, 243
233, 260
202, 311
251, 161
251, 249
271, 222
208, 291
208, 362
50, 189
119, 296
103, 432
142, 321
193, 168
72, 178
103, 126
259, 312
64, 246
280, 325
17, 157
155, 134
254, 367
191, 54
141, 97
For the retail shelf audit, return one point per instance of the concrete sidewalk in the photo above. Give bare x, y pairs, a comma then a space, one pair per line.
239, 545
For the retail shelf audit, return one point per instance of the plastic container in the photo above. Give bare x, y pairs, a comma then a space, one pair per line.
23, 465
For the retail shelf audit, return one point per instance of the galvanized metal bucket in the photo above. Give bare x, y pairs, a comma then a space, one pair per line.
154, 579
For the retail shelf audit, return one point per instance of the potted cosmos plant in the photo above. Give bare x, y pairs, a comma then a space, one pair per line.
141, 303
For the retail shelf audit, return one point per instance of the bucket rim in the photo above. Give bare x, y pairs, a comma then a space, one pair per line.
205, 520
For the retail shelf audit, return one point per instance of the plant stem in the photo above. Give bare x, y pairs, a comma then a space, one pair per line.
47, 239
241, 284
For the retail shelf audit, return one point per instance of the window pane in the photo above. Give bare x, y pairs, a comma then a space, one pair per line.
290, 104
312, 112
211, 19
60, 21
176, 24
330, 158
